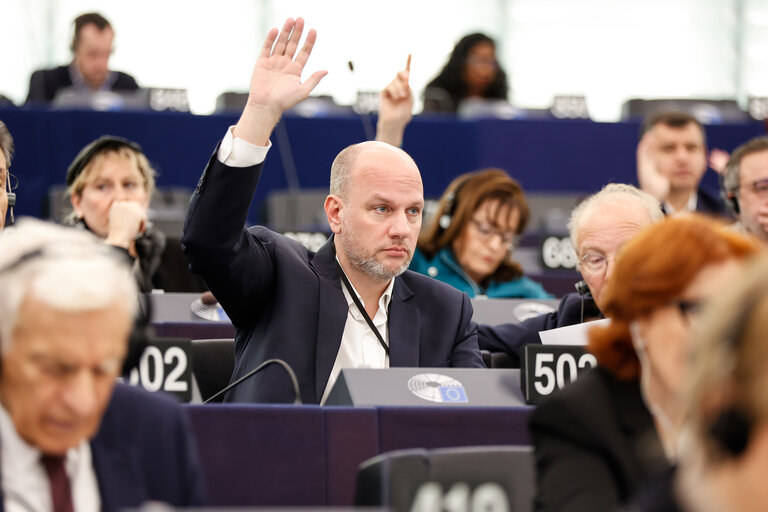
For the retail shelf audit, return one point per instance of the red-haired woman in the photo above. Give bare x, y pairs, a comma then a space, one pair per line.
605, 435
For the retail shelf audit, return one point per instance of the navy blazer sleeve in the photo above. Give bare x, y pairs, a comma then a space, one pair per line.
145, 451
235, 265
465, 350
511, 337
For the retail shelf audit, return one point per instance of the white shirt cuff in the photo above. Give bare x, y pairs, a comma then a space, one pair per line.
235, 152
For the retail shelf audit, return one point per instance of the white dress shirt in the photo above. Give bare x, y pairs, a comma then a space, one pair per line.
360, 348
690, 206
24, 481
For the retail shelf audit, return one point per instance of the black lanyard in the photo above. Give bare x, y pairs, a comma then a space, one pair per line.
362, 310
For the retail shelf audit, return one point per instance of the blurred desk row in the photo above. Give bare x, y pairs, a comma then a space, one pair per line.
544, 155
270, 455
173, 316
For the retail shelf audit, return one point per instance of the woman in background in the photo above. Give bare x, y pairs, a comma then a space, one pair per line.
110, 184
470, 242
472, 71
601, 438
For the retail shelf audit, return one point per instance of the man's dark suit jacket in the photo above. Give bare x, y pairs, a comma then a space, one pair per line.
710, 204
595, 445
286, 302
511, 337
144, 451
45, 83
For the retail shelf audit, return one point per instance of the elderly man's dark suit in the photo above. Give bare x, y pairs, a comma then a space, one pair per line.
144, 451
511, 337
286, 302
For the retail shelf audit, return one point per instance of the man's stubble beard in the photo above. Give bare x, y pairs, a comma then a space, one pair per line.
366, 262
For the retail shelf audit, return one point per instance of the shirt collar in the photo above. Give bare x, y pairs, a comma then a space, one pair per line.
24, 455
383, 300
690, 206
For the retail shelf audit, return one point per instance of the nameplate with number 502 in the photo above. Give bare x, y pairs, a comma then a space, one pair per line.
547, 368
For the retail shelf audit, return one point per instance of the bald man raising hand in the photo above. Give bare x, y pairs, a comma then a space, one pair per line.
290, 303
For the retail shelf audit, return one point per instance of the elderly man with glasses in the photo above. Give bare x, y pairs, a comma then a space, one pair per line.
599, 226
745, 184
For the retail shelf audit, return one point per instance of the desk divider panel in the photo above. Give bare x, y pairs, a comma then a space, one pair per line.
439, 427
352, 436
261, 455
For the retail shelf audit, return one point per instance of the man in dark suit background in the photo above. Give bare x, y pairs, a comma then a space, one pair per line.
89, 69
289, 303
70, 438
671, 161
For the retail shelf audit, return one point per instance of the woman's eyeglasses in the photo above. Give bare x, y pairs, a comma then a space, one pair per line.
487, 232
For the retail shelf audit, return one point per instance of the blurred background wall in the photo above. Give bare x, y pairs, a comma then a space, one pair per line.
606, 50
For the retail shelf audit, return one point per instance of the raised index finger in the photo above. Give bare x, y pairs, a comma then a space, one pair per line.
408, 64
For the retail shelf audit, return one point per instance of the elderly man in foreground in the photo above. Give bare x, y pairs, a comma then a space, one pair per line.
71, 438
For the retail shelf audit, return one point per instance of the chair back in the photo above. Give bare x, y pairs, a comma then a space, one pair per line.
213, 362
471, 478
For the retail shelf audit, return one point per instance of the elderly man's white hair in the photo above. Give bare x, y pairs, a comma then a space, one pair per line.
64, 268
613, 193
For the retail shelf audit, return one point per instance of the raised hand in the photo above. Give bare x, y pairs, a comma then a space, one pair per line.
649, 177
718, 160
276, 81
395, 108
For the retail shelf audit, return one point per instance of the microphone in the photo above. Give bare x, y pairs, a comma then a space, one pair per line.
583, 290
286, 367
365, 116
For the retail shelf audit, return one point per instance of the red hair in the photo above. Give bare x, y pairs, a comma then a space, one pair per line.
653, 268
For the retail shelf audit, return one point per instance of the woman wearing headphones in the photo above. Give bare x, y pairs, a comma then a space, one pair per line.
603, 437
110, 184
470, 242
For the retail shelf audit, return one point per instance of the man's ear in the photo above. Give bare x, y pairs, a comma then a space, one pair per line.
333, 206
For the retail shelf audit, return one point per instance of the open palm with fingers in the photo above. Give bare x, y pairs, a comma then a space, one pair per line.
276, 82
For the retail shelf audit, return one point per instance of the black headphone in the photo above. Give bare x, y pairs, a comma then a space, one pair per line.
11, 195
449, 209
729, 197
732, 427
85, 155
